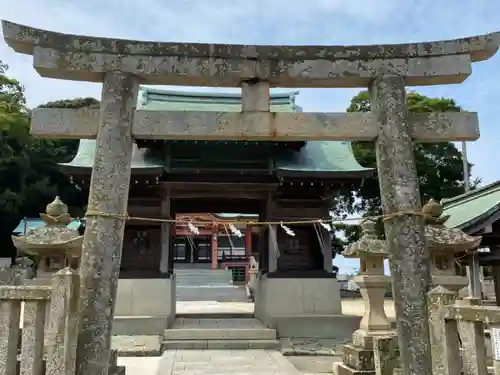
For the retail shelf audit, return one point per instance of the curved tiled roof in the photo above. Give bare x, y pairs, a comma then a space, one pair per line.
471, 208
142, 160
27, 224
316, 157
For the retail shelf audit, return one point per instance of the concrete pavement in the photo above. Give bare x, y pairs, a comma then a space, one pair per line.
236, 362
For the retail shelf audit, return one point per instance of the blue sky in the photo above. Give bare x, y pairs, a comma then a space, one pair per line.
278, 22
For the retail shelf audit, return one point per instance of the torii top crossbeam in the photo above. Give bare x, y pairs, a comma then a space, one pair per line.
84, 58
255, 69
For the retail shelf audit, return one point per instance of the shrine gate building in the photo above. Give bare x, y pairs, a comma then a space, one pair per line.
246, 181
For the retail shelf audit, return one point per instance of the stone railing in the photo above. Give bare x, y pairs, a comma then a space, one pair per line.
459, 340
44, 348
457, 330
14, 276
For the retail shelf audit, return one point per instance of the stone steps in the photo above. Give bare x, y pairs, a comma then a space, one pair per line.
203, 277
219, 333
207, 285
218, 294
220, 344
215, 315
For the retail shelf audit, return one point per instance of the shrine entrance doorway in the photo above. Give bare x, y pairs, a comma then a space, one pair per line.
192, 249
210, 247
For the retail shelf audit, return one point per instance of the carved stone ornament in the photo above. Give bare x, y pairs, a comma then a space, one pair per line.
53, 237
441, 238
368, 245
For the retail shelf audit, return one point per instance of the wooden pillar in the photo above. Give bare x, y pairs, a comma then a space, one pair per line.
496, 283
473, 274
327, 250
248, 249
263, 248
173, 234
167, 231
215, 247
272, 235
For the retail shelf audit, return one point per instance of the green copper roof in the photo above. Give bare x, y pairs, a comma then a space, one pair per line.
34, 223
316, 157
320, 157
470, 208
142, 159
162, 100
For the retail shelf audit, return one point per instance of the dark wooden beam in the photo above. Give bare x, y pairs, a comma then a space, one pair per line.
485, 258
244, 206
234, 194
219, 190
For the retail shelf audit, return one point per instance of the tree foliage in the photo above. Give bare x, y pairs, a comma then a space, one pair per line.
439, 166
72, 103
30, 177
12, 100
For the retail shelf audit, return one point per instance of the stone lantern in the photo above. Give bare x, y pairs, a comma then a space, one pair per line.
372, 281
54, 245
444, 244
373, 284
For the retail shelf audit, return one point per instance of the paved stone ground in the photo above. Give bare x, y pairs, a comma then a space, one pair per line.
349, 307
213, 307
235, 362
157, 366
310, 347
137, 346
140, 366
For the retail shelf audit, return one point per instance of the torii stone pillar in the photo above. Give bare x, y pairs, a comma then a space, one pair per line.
102, 242
399, 191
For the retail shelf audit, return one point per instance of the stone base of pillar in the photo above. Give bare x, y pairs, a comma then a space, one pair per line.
144, 306
358, 357
302, 307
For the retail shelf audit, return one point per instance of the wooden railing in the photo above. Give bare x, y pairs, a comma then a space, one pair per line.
44, 348
457, 333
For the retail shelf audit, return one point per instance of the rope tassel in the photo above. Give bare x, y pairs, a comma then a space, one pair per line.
325, 225
287, 230
193, 229
235, 231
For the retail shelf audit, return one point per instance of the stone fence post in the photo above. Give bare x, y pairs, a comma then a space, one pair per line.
35, 299
473, 343
10, 315
386, 354
444, 334
62, 333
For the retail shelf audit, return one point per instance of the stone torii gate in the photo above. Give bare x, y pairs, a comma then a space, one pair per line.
121, 65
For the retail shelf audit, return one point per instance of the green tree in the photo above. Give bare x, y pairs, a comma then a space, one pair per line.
72, 103
30, 177
439, 166
12, 100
